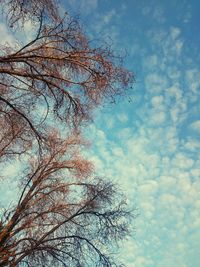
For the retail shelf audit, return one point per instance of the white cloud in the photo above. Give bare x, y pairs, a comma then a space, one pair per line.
108, 17
168, 199
182, 161
6, 37
167, 182
146, 10
192, 145
195, 126
175, 32
125, 133
174, 92
155, 82
166, 192
122, 117
158, 14
147, 208
157, 101
187, 16
150, 187
86, 6
193, 83
158, 118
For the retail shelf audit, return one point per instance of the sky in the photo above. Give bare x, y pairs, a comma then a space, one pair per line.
149, 141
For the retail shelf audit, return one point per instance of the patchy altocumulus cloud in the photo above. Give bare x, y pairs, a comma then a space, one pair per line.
155, 162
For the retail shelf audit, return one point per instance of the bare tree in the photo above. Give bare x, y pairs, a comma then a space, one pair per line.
63, 216
60, 70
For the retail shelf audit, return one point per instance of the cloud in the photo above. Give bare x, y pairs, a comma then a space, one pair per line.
150, 187
146, 10
154, 160
6, 37
196, 126
157, 101
158, 118
175, 32
158, 14
108, 17
122, 117
86, 6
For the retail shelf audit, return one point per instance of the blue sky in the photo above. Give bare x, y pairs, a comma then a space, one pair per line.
149, 141
151, 144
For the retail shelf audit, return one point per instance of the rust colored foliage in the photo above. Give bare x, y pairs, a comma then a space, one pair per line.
63, 216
